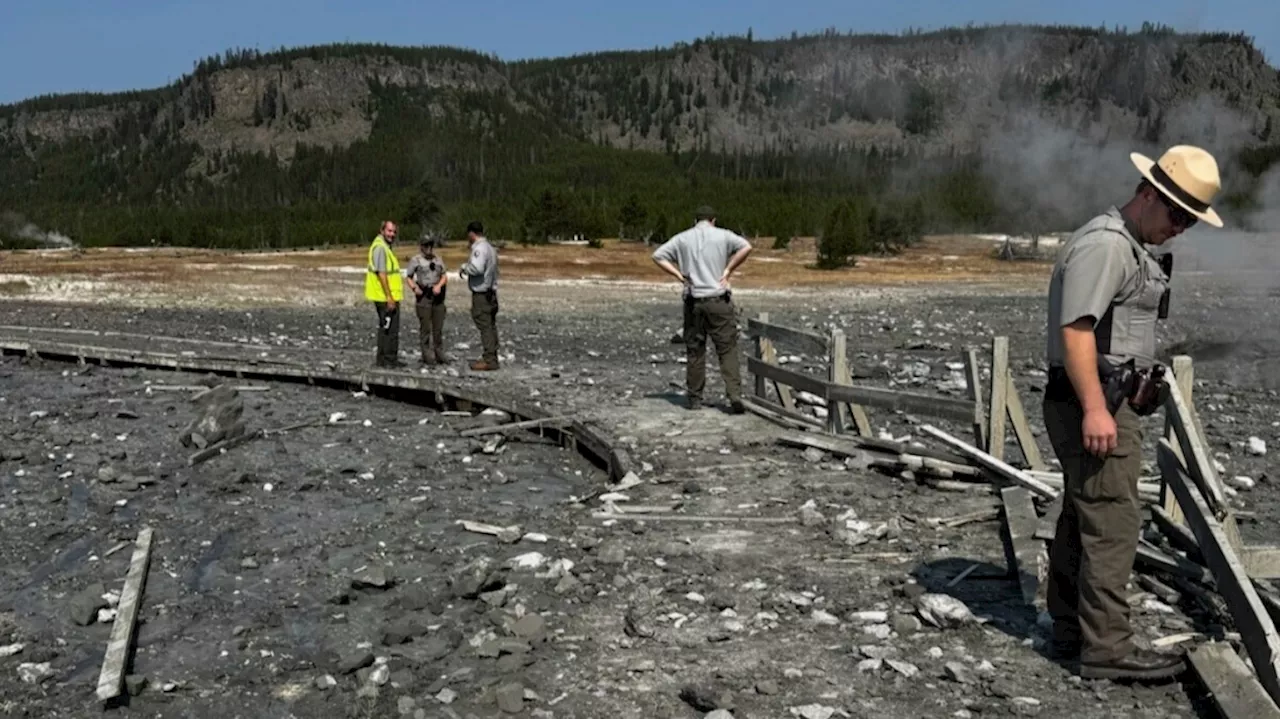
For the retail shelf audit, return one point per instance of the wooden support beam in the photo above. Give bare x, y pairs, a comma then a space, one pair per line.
1235, 690
936, 406
1021, 549
779, 415
769, 355
837, 368
1256, 628
1021, 428
120, 645
999, 395
1184, 377
841, 375
791, 378
973, 379
997, 466
1261, 562
804, 342
1196, 454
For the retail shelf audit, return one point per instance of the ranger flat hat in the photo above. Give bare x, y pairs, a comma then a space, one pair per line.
1186, 174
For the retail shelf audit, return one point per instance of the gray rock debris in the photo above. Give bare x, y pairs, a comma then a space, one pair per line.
219, 417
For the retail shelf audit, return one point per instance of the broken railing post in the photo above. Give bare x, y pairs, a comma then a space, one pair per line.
1184, 376
999, 392
974, 381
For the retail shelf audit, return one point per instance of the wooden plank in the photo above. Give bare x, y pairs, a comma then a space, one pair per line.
772, 411
797, 380
837, 368
1235, 690
1261, 562
218, 448
762, 389
769, 355
999, 396
1152, 558
120, 645
1256, 628
1021, 428
1184, 376
1021, 550
799, 340
1199, 466
1176, 532
693, 518
841, 375
991, 463
525, 424
974, 381
936, 406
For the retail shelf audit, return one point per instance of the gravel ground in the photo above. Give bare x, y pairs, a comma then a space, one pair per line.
321, 572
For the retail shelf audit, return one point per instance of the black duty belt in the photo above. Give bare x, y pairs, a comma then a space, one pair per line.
717, 298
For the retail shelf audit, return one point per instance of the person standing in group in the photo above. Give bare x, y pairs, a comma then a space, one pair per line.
427, 279
383, 287
703, 258
1105, 295
481, 271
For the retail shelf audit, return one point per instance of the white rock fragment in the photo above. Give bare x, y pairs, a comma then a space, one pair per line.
1257, 447
906, 669
34, 673
869, 617
446, 696
824, 618
9, 650
1242, 482
870, 665
529, 560
813, 711
943, 611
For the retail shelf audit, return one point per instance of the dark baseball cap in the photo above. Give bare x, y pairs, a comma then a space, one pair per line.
705, 213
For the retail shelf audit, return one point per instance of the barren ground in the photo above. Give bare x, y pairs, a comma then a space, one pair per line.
251, 611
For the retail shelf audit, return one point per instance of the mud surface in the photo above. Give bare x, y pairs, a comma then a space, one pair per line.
320, 572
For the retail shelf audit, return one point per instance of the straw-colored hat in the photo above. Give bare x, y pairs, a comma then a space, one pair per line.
1186, 174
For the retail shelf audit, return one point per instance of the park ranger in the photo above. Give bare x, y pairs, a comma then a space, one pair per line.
384, 287
481, 271
427, 279
703, 258
1105, 294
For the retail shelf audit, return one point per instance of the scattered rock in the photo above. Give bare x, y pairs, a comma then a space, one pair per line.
34, 672
355, 661
371, 578
611, 553
528, 626
705, 699
813, 711
510, 698
479, 575
957, 672
446, 696
1257, 447
942, 610
767, 687
718, 714
85, 605
135, 684
905, 624
401, 631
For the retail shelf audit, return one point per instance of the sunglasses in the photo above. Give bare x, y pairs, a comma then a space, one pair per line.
1177, 214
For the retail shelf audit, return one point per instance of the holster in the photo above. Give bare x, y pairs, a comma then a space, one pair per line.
1166, 264
1145, 390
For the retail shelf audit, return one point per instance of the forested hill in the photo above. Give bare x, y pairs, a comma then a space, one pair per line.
313, 145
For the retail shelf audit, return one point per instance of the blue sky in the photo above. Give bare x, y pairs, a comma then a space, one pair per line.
49, 46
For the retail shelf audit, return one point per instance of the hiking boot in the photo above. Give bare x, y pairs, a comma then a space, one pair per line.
428, 361
1140, 665
484, 365
694, 403
441, 358
737, 407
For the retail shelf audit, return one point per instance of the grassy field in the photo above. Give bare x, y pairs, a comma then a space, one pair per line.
944, 258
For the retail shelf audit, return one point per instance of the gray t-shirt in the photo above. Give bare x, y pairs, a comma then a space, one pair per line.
481, 267
380, 258
702, 252
1097, 267
426, 272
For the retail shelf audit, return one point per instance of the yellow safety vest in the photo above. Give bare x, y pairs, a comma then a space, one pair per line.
372, 287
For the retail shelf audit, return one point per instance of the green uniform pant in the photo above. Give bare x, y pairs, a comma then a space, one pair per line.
431, 315
388, 333
1096, 538
714, 317
484, 312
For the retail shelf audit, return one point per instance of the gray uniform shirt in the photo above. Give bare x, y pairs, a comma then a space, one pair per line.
481, 268
426, 272
380, 258
702, 252
1104, 273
